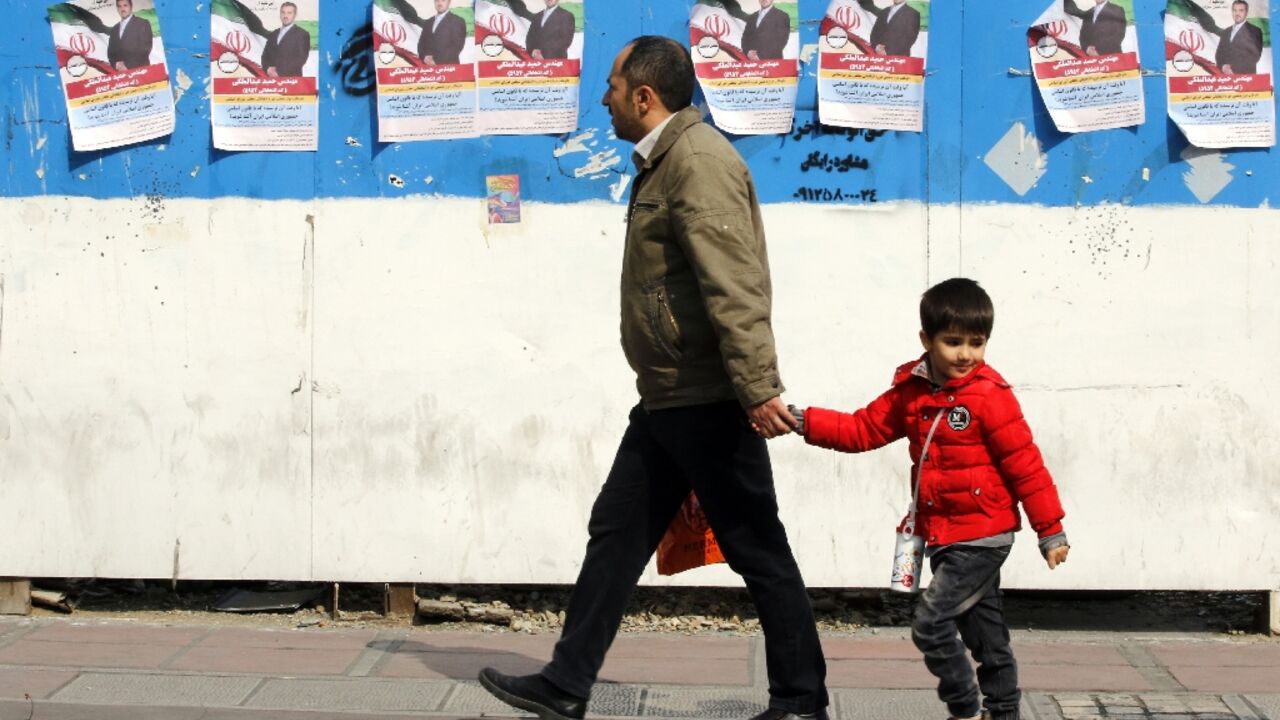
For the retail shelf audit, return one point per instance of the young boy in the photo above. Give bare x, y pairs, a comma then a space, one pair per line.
981, 462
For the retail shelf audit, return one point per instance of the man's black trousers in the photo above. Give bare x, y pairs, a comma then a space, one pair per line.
712, 450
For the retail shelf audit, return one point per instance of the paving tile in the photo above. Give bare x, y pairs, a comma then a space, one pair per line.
702, 702
875, 704
38, 684
1219, 654
666, 647
487, 643
676, 671
1081, 677
857, 648
359, 695
461, 666
607, 699
69, 654
167, 690
1067, 654
887, 674
117, 634
293, 639
1240, 679
1268, 703
265, 661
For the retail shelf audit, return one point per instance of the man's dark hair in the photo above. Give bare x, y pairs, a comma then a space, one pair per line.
288, 4
1241, 2
664, 65
127, 1
956, 304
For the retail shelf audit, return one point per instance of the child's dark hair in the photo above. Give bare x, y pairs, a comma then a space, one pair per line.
956, 304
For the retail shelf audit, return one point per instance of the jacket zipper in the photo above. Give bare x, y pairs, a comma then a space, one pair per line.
671, 318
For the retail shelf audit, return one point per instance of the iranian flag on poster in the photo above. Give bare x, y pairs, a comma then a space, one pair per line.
712, 29
500, 28
114, 77
236, 37
1218, 70
394, 34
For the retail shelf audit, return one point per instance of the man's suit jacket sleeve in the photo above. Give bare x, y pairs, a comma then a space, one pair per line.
1112, 24
141, 41
455, 37
299, 47
774, 40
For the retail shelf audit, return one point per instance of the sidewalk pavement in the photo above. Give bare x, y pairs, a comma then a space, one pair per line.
116, 670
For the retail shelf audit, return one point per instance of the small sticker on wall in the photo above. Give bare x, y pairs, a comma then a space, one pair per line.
503, 192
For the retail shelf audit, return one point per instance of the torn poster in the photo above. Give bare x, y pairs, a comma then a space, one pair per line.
1219, 69
265, 89
746, 56
529, 65
871, 56
424, 55
1084, 55
114, 76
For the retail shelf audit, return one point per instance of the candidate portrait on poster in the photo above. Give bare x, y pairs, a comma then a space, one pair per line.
896, 29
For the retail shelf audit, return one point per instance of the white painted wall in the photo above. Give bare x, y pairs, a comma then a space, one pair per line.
401, 395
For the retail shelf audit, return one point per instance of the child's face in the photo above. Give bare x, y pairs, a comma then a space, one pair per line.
954, 353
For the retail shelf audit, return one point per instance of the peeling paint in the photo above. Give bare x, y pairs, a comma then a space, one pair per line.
40, 143
1017, 159
1146, 174
599, 164
184, 84
396, 181
618, 188
1208, 175
196, 171
807, 52
1086, 179
40, 173
353, 142
576, 144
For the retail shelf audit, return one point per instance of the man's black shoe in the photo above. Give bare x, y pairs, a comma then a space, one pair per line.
777, 714
535, 694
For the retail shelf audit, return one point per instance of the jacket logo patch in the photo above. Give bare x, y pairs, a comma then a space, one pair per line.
959, 418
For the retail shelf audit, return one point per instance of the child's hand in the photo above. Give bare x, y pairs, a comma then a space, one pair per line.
1057, 556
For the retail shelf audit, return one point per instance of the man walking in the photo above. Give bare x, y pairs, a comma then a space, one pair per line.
696, 328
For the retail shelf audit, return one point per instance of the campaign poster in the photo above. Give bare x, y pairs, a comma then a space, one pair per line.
871, 56
746, 56
529, 63
114, 76
1084, 55
1219, 72
503, 194
424, 54
264, 63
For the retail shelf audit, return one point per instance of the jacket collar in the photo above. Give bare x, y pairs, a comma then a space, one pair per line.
679, 122
918, 369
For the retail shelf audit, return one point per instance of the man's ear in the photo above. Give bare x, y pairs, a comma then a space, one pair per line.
645, 97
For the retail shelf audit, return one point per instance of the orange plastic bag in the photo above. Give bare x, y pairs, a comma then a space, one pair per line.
688, 542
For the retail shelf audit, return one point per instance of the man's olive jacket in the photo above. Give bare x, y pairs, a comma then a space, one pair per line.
696, 296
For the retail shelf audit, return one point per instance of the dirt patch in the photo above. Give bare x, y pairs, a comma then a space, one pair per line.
539, 609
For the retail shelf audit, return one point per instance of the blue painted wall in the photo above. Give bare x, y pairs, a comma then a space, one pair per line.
972, 100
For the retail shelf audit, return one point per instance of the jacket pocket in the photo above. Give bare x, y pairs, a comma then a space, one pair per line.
662, 321
990, 494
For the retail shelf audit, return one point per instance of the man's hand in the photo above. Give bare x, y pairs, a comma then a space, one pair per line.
880, 50
771, 418
429, 60
1227, 69
1057, 556
1091, 50
271, 72
753, 55
537, 54
121, 68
